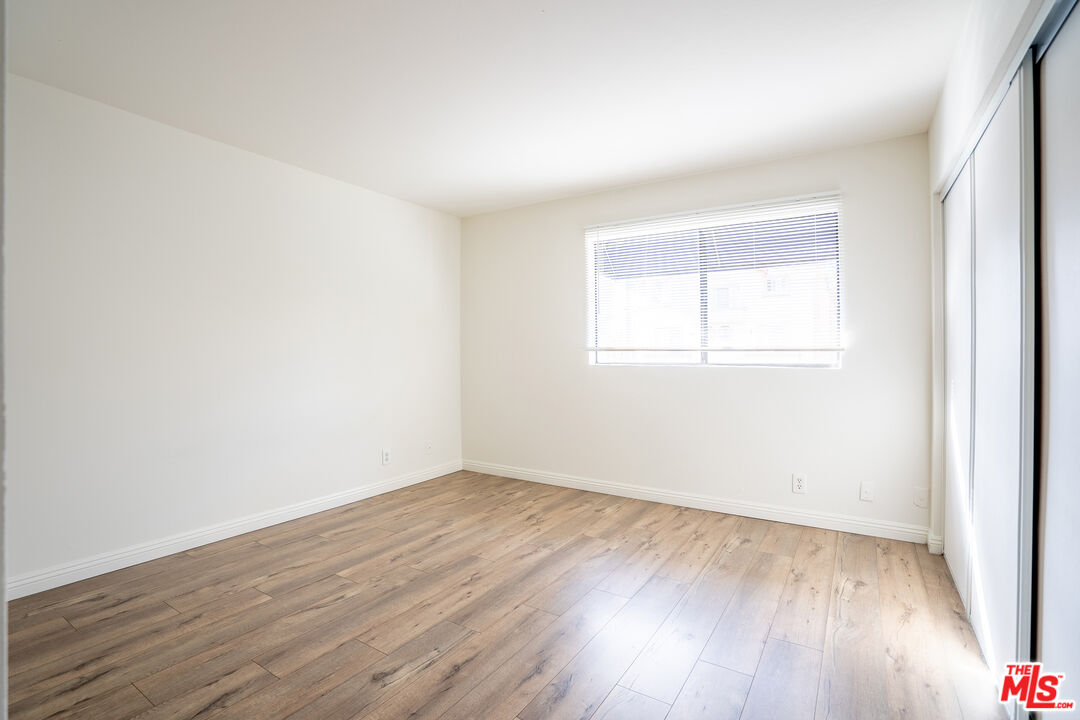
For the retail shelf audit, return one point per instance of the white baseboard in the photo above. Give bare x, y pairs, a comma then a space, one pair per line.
29, 583
935, 543
812, 518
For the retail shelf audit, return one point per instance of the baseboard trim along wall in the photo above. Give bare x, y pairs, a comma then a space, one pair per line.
935, 543
827, 521
30, 583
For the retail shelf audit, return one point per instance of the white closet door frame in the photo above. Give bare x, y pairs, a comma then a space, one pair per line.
1026, 422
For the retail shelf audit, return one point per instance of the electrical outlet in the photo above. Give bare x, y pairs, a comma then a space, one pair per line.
921, 497
427, 447
386, 456
798, 483
866, 491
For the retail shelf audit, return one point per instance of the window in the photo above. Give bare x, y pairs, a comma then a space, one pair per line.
752, 285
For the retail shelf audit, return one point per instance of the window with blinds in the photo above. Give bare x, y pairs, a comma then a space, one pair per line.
750, 285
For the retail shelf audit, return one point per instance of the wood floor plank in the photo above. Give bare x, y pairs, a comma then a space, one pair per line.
135, 595
288, 558
973, 685
479, 597
580, 688
234, 652
384, 549
567, 589
51, 604
132, 588
30, 640
328, 622
623, 704
573, 525
782, 539
656, 516
739, 637
351, 699
214, 548
666, 662
667, 538
286, 657
804, 605
711, 692
627, 515
916, 681
687, 563
397, 593
119, 704
852, 683
114, 631
453, 509
461, 669
452, 597
785, 684
306, 684
26, 679
517, 588
532, 523
215, 696
510, 688
467, 542
72, 684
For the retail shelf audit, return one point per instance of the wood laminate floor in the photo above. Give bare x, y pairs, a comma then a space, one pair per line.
473, 596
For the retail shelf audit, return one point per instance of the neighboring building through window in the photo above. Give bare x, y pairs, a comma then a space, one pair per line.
750, 285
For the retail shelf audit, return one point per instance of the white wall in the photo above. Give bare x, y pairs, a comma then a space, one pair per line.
197, 334
996, 32
532, 401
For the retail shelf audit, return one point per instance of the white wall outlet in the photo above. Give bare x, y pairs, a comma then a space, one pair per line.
866, 491
798, 483
386, 456
921, 497
427, 447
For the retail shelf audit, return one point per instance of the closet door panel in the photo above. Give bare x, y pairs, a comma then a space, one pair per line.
1059, 621
957, 217
998, 386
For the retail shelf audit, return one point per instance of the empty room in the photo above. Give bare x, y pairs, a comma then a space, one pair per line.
540, 360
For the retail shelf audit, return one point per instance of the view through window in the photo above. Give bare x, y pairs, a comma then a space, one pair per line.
751, 285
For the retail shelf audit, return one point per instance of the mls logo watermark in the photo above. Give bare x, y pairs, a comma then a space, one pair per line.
1033, 689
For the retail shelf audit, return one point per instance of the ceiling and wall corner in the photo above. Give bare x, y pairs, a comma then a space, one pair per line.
478, 106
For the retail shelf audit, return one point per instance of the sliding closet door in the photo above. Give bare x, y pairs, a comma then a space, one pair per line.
1001, 480
1059, 589
957, 218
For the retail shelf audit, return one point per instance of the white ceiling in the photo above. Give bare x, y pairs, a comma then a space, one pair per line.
474, 105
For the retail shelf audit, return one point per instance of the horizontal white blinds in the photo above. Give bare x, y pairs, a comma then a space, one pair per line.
749, 285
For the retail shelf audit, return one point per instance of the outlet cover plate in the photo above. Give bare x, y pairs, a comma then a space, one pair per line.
798, 483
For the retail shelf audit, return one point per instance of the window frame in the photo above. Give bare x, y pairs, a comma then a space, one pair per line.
594, 349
